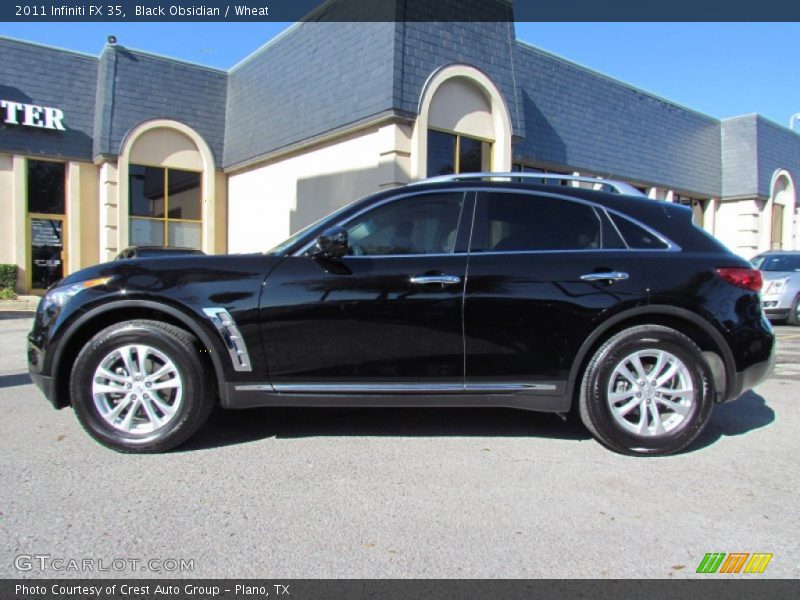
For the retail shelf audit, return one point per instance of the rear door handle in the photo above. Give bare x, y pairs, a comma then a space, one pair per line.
442, 279
605, 276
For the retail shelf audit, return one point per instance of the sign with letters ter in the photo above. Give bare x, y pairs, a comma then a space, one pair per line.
31, 115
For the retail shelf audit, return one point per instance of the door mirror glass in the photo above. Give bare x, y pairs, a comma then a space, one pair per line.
332, 243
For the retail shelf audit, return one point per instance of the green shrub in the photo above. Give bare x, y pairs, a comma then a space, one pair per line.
7, 294
8, 276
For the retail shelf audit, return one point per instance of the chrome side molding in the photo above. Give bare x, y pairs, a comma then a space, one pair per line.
227, 329
396, 388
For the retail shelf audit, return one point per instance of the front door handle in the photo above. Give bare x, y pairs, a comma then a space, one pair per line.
442, 279
605, 276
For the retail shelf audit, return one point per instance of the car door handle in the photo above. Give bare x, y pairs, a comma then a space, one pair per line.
605, 276
443, 279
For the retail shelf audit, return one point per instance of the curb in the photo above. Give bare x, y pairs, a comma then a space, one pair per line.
23, 304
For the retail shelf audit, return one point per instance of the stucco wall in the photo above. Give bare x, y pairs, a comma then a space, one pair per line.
267, 204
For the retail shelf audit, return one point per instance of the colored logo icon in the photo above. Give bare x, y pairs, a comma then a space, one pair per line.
735, 562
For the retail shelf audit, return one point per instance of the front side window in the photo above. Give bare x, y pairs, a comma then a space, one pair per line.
509, 222
455, 153
417, 225
165, 207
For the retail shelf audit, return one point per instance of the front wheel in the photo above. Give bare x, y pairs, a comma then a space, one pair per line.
647, 391
794, 312
139, 386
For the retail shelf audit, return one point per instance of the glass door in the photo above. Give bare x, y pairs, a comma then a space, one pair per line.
46, 235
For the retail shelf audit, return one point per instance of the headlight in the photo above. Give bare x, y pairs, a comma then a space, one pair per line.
60, 296
776, 286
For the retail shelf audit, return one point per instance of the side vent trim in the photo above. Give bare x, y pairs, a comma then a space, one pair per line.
230, 334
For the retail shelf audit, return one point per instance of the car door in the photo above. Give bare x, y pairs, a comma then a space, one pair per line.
543, 271
387, 317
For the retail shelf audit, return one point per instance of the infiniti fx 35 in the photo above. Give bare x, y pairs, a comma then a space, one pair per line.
465, 291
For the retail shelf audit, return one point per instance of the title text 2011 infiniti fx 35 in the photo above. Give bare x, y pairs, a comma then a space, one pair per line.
479, 290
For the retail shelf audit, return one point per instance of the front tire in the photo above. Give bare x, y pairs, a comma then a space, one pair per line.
794, 312
647, 391
140, 386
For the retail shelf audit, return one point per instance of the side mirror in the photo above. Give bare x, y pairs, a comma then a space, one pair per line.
332, 243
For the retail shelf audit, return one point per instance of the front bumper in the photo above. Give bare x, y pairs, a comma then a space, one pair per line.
776, 306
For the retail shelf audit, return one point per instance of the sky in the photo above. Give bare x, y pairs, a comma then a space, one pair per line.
720, 69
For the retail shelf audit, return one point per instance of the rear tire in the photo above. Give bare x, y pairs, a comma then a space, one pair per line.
140, 386
647, 391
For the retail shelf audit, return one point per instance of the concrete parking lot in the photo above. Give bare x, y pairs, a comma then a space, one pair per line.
397, 493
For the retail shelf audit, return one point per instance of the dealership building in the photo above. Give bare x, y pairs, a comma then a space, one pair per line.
98, 153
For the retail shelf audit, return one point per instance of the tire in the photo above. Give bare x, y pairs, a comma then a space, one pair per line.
140, 387
794, 317
624, 422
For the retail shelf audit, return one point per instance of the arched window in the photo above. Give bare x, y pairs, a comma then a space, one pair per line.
167, 188
780, 211
463, 125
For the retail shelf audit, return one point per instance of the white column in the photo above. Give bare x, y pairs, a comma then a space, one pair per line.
73, 216
710, 215
20, 217
109, 238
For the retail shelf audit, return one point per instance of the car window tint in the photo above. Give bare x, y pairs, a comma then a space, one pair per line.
636, 236
417, 225
611, 237
515, 222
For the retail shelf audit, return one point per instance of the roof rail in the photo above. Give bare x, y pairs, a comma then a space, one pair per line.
619, 187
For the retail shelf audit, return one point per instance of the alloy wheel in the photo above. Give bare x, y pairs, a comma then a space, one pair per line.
137, 389
650, 393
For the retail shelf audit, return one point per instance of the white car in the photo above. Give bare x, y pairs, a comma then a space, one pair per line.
781, 292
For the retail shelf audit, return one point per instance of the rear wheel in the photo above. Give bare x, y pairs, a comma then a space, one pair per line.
647, 391
139, 386
794, 312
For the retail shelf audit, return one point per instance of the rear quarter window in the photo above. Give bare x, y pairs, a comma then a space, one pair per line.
635, 236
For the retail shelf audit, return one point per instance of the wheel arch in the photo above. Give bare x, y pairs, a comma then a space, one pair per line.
710, 341
98, 318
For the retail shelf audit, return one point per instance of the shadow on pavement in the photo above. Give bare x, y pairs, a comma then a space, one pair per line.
14, 380
748, 413
229, 427
16, 314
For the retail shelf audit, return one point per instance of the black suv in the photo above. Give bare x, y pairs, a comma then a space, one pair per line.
472, 290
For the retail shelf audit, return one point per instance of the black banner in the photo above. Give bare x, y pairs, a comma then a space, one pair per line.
397, 10
737, 587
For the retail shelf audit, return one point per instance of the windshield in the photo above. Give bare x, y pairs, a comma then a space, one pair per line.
777, 262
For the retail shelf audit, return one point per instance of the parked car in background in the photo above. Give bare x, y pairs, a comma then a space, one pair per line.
780, 295
475, 290
148, 251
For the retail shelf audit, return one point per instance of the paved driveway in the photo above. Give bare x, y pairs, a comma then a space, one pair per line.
397, 493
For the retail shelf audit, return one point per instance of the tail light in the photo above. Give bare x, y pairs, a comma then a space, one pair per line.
749, 279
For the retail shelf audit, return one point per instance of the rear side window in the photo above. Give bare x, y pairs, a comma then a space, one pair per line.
508, 222
637, 237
